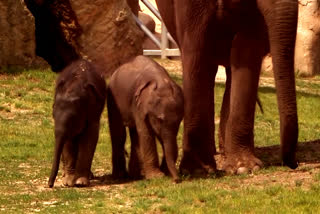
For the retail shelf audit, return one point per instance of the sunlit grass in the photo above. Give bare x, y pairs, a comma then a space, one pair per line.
26, 148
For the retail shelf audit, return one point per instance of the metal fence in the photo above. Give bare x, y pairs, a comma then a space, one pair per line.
163, 44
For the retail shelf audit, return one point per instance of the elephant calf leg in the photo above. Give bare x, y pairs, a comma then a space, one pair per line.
69, 156
87, 146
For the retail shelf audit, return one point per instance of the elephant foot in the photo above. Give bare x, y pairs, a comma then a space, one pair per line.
135, 173
194, 166
290, 161
91, 176
121, 174
154, 174
82, 182
242, 164
68, 180
164, 168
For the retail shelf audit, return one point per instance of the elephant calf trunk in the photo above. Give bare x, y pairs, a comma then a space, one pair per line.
56, 162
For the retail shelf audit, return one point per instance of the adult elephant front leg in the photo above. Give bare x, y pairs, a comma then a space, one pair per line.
248, 49
193, 36
198, 137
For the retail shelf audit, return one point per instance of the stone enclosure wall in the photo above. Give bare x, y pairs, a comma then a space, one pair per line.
17, 47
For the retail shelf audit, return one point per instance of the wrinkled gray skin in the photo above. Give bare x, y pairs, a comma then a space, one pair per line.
78, 103
142, 96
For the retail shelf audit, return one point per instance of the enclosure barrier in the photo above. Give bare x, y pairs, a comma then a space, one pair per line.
163, 44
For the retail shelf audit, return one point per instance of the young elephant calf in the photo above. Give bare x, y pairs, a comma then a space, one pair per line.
78, 103
142, 96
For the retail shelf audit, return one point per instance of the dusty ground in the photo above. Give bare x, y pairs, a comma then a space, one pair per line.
308, 155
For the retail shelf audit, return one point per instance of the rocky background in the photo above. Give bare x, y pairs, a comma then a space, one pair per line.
111, 37
101, 31
17, 46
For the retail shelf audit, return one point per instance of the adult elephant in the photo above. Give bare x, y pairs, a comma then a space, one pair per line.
236, 34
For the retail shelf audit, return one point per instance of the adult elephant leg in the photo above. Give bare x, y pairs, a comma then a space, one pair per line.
118, 138
135, 156
87, 146
281, 19
193, 34
224, 112
247, 52
198, 137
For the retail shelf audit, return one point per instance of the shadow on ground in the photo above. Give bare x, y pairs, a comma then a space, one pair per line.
307, 153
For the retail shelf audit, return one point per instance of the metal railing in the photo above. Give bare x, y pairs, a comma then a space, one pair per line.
163, 44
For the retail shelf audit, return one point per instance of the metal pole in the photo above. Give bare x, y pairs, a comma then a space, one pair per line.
164, 41
147, 31
152, 8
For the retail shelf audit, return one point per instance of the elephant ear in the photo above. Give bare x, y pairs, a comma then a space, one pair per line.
148, 100
145, 85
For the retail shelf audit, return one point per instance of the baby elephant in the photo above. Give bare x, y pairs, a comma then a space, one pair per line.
142, 96
78, 103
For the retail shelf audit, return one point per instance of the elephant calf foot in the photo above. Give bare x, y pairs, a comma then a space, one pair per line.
68, 180
242, 164
82, 182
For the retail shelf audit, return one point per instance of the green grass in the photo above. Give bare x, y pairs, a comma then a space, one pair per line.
26, 149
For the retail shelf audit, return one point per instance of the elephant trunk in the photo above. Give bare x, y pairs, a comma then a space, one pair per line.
281, 19
56, 160
171, 154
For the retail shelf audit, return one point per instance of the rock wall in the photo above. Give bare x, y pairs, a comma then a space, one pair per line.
308, 38
17, 47
104, 32
110, 36
307, 53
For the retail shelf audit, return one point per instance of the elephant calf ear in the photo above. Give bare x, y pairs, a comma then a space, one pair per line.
140, 90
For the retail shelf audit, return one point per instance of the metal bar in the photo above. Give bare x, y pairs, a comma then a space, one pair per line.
147, 31
168, 52
152, 52
173, 52
170, 38
164, 40
152, 8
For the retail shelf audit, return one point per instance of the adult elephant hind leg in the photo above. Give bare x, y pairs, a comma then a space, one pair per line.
118, 139
87, 143
224, 112
135, 164
246, 56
